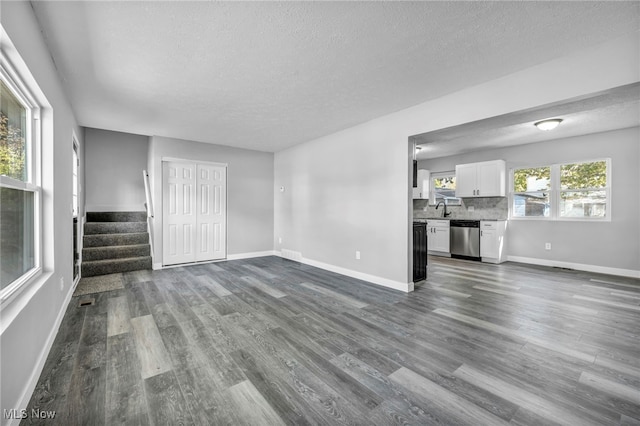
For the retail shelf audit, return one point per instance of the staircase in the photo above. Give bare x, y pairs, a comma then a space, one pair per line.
115, 242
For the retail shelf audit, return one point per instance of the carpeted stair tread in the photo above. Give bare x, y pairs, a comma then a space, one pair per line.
102, 240
115, 252
111, 266
95, 228
138, 216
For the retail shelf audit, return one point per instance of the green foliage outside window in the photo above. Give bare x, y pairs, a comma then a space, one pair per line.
444, 183
521, 176
12, 137
583, 175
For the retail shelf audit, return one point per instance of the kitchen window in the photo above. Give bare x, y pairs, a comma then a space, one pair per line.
568, 191
19, 184
443, 189
532, 192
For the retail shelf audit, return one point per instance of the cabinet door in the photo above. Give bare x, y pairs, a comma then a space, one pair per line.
491, 179
438, 238
488, 243
421, 192
466, 180
431, 238
442, 239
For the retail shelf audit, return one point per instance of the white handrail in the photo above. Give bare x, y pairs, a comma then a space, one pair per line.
149, 207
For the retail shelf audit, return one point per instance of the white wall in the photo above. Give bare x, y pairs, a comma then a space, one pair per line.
29, 322
348, 191
603, 246
249, 192
116, 161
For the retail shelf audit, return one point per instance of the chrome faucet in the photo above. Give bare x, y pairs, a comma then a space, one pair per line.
444, 213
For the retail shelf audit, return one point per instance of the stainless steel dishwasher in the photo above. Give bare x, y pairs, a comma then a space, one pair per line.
465, 239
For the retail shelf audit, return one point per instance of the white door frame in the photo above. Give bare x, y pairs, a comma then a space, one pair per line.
195, 163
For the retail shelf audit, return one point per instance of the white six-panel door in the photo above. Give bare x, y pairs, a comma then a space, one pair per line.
211, 209
194, 212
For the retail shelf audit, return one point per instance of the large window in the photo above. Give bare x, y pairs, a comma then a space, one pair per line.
568, 191
443, 189
532, 192
19, 190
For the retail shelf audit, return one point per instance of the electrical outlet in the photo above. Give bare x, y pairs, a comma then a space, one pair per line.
547, 246
357, 255
279, 240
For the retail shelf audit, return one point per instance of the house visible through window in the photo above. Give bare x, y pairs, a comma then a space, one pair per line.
532, 192
19, 193
584, 190
577, 190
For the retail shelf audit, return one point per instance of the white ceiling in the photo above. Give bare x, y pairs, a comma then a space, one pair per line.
269, 75
613, 109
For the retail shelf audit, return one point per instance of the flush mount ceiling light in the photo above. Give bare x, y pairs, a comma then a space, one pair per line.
548, 124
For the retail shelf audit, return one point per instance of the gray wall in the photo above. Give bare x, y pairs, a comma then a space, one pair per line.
349, 191
30, 321
614, 244
249, 191
115, 162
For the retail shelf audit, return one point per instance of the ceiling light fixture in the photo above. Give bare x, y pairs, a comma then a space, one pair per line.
418, 148
548, 124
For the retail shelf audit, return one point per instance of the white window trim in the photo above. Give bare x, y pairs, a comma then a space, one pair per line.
16, 83
555, 191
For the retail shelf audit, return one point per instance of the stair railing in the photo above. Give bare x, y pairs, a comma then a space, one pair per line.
149, 207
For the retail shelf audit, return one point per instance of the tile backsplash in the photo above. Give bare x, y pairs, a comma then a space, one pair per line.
483, 208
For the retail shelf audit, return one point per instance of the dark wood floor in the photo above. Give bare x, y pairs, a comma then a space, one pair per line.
268, 341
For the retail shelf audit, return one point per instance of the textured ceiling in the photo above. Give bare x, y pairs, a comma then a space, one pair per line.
268, 75
617, 108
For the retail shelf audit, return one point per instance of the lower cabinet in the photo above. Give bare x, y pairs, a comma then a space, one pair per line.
438, 236
419, 251
492, 241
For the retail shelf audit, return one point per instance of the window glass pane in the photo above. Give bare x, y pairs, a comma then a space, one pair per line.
16, 234
583, 175
583, 203
444, 190
13, 151
533, 179
531, 204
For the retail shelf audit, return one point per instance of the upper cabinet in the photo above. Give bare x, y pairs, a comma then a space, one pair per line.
485, 179
421, 191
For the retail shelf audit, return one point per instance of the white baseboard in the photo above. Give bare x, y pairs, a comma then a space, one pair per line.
384, 282
35, 375
157, 266
577, 266
251, 254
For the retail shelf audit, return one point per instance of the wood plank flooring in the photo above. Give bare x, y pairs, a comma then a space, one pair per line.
268, 341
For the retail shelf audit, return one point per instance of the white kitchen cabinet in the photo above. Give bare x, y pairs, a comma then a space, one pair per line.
422, 191
484, 179
492, 241
438, 236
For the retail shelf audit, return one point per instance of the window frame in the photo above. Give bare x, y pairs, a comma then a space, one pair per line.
512, 192
432, 187
33, 141
555, 192
607, 189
